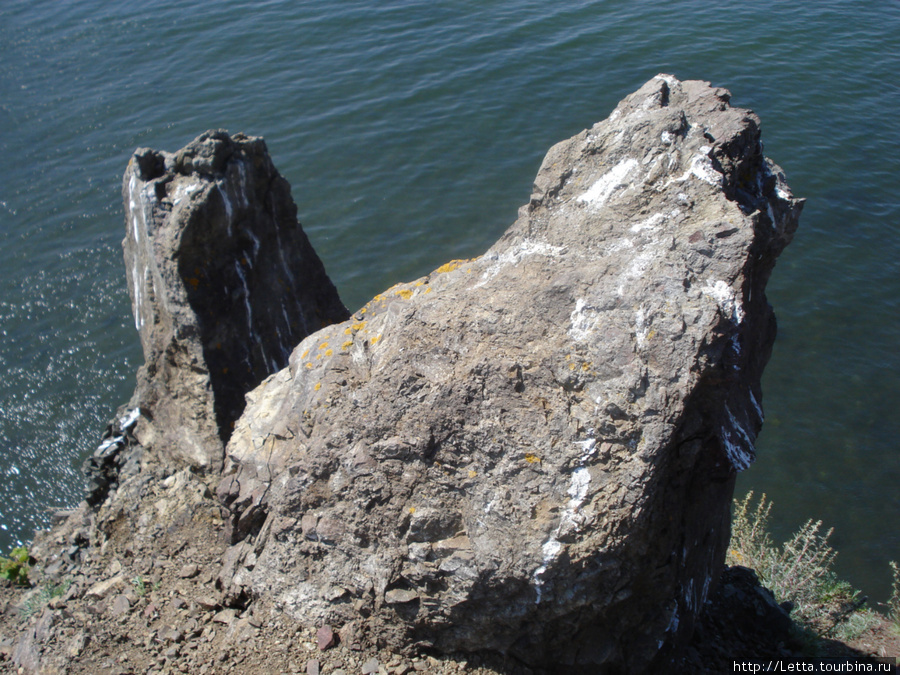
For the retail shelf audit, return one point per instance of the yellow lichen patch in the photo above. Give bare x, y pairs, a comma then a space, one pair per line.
358, 326
472, 473
412, 509
419, 283
449, 267
328, 352
318, 386
531, 458
428, 290
305, 354
378, 298
324, 345
585, 366
308, 365
651, 334
571, 366
347, 344
375, 339
348, 331
404, 293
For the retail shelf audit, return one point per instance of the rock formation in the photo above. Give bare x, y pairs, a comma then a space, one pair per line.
532, 452
223, 283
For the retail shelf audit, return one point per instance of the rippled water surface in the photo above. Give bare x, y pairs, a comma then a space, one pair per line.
411, 132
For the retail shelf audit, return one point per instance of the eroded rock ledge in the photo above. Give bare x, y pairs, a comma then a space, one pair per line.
531, 453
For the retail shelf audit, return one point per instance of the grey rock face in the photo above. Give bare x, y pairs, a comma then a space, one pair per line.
223, 283
534, 451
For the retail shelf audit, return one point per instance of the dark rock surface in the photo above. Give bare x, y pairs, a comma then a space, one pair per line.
533, 452
223, 283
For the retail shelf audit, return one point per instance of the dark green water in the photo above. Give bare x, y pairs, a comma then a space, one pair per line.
411, 132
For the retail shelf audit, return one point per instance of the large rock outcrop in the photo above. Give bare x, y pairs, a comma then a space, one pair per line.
534, 451
223, 284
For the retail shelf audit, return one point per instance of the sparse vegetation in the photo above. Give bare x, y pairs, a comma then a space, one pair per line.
894, 600
798, 572
43, 594
141, 588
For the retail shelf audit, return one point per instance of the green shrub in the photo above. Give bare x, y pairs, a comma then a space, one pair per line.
798, 572
894, 600
15, 567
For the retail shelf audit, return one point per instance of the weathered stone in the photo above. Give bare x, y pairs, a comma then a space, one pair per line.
77, 644
223, 283
541, 442
103, 588
399, 596
325, 638
370, 666
120, 605
350, 635
225, 616
207, 603
189, 571
312, 667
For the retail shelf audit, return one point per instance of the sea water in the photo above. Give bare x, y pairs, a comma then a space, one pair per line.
411, 132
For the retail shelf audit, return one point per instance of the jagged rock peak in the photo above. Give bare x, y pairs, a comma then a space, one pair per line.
534, 451
224, 284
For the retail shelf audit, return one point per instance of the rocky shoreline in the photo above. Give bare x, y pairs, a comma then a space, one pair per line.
527, 458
